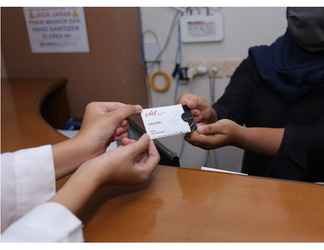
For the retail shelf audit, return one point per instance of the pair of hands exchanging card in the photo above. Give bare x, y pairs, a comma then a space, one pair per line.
167, 121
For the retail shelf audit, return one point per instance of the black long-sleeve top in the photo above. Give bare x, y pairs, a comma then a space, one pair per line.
249, 101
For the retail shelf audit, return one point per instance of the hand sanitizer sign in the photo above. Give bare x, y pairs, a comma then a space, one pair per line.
56, 30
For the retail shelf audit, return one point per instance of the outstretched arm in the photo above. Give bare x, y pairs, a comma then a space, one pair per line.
127, 165
102, 123
226, 132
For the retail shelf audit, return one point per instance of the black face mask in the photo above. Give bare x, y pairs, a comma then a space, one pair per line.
306, 25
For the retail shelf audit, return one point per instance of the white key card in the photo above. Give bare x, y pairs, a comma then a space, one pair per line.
167, 121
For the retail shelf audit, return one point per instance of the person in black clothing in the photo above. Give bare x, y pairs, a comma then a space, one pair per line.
273, 107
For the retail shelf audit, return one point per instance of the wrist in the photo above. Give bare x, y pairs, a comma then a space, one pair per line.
88, 176
261, 140
69, 155
239, 136
96, 171
79, 184
83, 148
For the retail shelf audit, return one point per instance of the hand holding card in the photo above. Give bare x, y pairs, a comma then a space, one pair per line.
167, 121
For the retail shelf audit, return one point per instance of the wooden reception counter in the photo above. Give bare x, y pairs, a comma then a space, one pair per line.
179, 204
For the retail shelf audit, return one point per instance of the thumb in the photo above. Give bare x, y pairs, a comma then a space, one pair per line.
118, 115
210, 129
189, 100
139, 147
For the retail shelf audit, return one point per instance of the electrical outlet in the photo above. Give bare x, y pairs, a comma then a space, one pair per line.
196, 69
219, 64
225, 66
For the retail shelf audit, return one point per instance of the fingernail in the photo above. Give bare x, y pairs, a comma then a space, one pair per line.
201, 128
145, 136
138, 108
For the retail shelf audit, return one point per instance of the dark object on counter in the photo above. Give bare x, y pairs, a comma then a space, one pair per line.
72, 124
168, 157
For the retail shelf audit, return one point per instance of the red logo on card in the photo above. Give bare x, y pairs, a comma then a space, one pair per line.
151, 113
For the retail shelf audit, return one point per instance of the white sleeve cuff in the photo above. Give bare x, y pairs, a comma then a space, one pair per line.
50, 222
35, 177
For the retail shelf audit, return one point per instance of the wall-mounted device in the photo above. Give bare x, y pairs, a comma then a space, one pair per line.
202, 28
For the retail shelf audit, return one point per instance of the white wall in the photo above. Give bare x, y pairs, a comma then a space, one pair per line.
244, 27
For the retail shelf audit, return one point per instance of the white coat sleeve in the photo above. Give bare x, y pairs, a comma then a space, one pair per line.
27, 181
49, 222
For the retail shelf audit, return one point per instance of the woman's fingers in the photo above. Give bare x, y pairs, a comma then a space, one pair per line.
139, 147
199, 139
104, 107
144, 151
120, 130
111, 106
209, 129
218, 127
124, 123
120, 133
195, 112
206, 141
116, 117
198, 118
153, 157
190, 100
126, 141
148, 161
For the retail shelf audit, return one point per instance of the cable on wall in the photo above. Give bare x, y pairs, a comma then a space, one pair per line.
159, 87
151, 78
167, 41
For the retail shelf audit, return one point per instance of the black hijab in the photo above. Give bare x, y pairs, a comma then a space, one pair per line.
289, 68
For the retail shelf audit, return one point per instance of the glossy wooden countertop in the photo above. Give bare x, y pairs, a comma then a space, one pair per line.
179, 204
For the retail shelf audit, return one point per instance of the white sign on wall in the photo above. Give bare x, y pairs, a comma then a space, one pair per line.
56, 30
